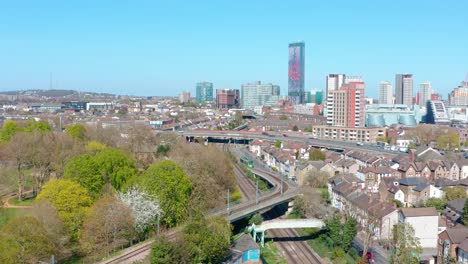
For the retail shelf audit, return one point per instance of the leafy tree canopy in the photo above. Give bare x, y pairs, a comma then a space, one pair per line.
115, 166
85, 170
24, 239
77, 131
71, 201
171, 186
455, 193
316, 154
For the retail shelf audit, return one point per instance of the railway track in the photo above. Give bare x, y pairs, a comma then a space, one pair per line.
247, 187
287, 241
293, 250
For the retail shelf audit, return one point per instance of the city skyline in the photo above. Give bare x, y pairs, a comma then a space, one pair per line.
142, 49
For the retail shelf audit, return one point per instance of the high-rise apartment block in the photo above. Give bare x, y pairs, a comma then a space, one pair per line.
334, 82
425, 93
459, 95
184, 97
259, 94
385, 93
227, 98
346, 106
404, 89
204, 92
296, 72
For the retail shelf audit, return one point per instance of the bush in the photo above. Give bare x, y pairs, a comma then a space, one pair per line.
353, 253
337, 252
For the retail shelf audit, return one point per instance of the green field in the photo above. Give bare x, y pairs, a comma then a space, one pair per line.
24, 202
9, 213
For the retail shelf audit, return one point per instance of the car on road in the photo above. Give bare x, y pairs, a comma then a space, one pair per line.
359, 143
284, 135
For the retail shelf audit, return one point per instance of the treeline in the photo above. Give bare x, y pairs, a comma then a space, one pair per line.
99, 190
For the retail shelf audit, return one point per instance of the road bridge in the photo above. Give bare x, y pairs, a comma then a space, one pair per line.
283, 224
246, 136
276, 196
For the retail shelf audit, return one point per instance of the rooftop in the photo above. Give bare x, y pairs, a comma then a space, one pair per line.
417, 212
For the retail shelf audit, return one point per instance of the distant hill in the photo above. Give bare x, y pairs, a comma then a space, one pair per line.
54, 93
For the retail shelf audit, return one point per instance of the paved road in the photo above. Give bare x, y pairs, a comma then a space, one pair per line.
380, 255
327, 143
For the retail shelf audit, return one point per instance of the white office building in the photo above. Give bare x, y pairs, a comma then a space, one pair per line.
425, 92
385, 93
259, 94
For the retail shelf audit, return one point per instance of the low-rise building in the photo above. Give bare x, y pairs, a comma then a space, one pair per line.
425, 222
449, 244
356, 134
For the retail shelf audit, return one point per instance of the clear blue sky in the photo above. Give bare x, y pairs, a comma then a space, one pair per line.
164, 47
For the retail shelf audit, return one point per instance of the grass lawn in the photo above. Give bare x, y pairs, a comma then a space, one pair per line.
24, 202
271, 255
9, 213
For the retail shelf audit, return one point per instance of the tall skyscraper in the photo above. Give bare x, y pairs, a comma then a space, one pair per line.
404, 89
227, 98
296, 72
425, 93
204, 92
334, 82
346, 106
259, 94
385, 93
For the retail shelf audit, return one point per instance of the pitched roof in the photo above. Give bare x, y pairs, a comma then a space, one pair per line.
417, 212
464, 245
457, 234
457, 204
420, 187
410, 181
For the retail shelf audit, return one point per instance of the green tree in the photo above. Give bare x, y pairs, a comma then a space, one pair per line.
412, 145
398, 203
24, 239
77, 131
256, 219
465, 213
37, 126
349, 232
455, 193
71, 201
171, 186
316, 154
448, 142
164, 251
438, 203
278, 144
283, 117
85, 170
9, 129
93, 147
295, 128
115, 166
333, 229
308, 129
406, 248
207, 239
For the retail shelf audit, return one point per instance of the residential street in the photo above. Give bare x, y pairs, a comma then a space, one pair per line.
380, 255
